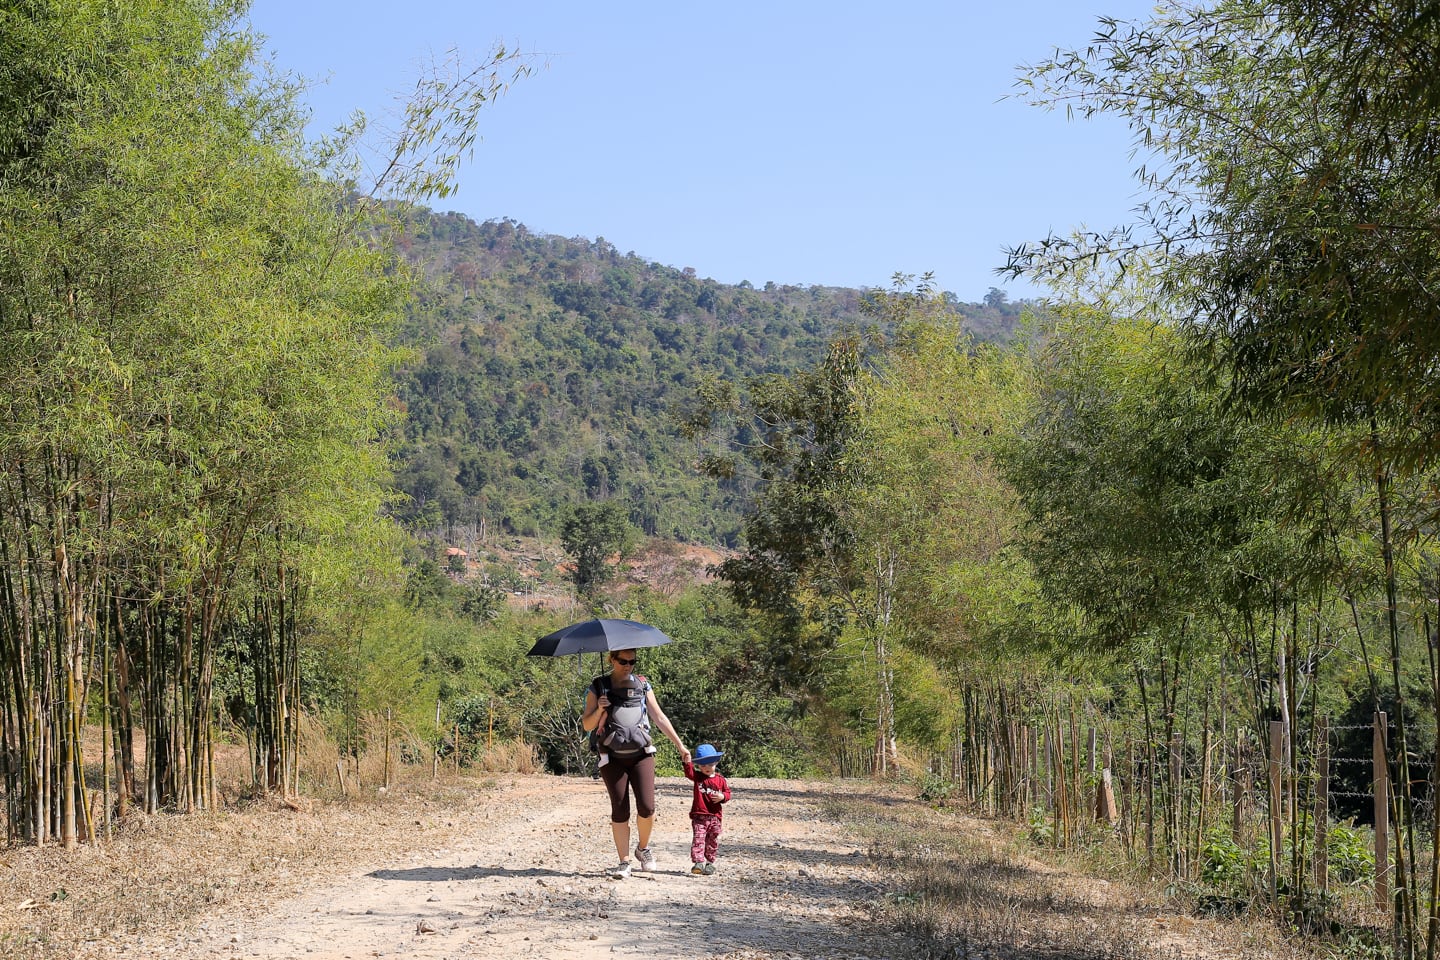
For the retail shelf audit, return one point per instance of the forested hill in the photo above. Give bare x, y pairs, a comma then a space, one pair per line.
547, 369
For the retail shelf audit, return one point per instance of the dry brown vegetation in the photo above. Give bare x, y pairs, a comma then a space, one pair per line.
159, 875
976, 888
958, 886
155, 876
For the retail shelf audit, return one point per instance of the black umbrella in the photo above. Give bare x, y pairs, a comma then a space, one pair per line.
598, 636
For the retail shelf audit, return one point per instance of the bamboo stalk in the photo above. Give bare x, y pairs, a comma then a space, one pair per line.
1175, 807
1076, 789
1322, 805
1203, 816
1432, 931
1276, 806
1382, 813
105, 740
1055, 764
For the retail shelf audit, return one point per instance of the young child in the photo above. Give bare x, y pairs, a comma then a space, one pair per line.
711, 792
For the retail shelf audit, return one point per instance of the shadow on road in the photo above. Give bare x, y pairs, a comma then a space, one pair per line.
440, 874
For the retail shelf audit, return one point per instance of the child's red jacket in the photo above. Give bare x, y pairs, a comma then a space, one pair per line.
701, 805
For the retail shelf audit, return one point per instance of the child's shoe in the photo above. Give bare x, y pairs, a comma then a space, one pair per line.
698, 868
708, 869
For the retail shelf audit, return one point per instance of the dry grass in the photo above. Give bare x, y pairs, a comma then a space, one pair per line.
411, 755
967, 888
158, 875
161, 873
973, 888
508, 756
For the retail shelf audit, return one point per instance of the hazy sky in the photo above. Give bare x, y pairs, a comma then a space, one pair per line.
799, 142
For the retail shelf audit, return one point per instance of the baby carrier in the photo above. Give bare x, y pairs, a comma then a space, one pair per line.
627, 723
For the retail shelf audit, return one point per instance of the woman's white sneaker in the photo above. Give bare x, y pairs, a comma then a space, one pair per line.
644, 859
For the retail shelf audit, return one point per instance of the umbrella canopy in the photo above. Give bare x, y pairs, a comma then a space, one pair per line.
598, 636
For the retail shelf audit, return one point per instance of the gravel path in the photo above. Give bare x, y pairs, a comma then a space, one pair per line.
523, 878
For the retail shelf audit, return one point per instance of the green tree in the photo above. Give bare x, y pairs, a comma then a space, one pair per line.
592, 535
932, 514
194, 314
880, 518
1293, 202
161, 312
790, 437
1183, 535
1290, 153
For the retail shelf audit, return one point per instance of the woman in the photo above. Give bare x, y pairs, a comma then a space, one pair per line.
620, 707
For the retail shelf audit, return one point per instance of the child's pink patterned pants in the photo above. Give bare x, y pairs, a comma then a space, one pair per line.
707, 838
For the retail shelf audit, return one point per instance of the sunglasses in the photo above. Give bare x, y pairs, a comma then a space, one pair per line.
628, 663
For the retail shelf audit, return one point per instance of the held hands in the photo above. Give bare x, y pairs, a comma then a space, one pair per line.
684, 754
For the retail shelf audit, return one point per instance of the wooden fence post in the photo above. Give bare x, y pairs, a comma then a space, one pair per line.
435, 757
1105, 811
1382, 813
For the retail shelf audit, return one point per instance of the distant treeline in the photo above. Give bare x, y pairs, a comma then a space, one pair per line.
547, 371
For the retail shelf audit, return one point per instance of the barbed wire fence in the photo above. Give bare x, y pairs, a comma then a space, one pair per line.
1278, 793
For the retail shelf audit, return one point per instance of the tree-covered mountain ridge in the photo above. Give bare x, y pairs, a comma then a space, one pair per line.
546, 371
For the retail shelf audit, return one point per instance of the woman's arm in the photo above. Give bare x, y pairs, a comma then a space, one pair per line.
663, 722
594, 713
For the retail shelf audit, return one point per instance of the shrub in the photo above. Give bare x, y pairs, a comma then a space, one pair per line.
1042, 827
1351, 858
1225, 866
936, 789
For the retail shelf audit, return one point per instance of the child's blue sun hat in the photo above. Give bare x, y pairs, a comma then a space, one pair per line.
705, 753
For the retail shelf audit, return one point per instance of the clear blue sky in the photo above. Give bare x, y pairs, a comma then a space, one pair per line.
799, 142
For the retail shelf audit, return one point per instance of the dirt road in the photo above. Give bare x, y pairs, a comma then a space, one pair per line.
523, 878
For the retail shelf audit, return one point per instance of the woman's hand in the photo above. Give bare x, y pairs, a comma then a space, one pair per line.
604, 701
684, 754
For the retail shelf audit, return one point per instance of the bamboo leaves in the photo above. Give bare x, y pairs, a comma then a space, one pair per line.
194, 320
